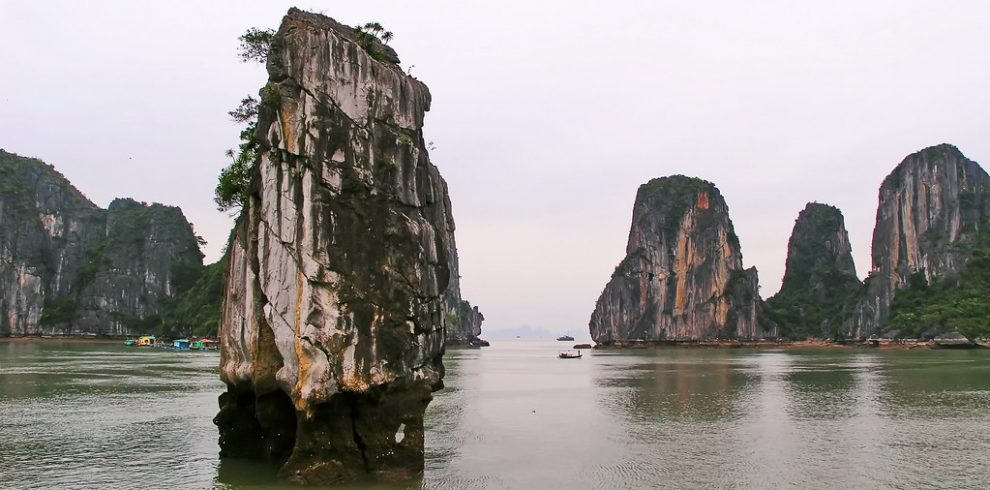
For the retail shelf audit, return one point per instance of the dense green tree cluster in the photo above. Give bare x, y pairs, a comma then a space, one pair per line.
196, 310
801, 313
369, 35
947, 304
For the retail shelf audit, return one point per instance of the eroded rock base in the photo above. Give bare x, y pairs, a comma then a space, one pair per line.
376, 435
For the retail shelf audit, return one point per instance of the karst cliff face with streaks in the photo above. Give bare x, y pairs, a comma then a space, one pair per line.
932, 216
343, 267
682, 278
69, 267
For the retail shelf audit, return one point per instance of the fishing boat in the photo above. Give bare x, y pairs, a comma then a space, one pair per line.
570, 355
130, 342
565, 338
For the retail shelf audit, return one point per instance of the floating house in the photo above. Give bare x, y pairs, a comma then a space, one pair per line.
146, 341
182, 344
204, 344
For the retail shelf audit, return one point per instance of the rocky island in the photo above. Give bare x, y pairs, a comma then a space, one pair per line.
71, 268
820, 276
932, 229
682, 278
343, 268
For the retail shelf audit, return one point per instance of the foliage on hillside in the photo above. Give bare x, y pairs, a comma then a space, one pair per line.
819, 281
961, 304
801, 314
196, 310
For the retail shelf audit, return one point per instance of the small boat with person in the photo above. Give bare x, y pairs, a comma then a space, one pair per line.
569, 354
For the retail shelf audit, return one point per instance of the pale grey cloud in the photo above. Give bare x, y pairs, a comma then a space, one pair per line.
546, 116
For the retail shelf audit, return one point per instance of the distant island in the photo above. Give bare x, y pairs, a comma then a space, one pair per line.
72, 268
682, 278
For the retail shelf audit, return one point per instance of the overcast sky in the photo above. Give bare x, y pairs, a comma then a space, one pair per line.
546, 118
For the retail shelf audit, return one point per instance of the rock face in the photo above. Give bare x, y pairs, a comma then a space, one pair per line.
682, 277
820, 276
463, 320
70, 268
343, 258
931, 206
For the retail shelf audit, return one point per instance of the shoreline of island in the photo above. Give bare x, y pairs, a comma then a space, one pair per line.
883, 344
61, 339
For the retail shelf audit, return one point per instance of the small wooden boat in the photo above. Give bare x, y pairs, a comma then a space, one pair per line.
570, 355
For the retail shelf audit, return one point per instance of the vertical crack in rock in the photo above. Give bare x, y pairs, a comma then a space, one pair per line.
362, 447
682, 278
343, 271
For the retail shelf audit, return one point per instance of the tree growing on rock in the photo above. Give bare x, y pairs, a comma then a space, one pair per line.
232, 185
369, 35
256, 45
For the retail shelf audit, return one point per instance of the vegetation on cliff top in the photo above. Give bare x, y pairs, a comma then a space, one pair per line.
235, 179
256, 45
672, 196
369, 35
18, 175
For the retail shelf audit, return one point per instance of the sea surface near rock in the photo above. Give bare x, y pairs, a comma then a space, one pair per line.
749, 418
340, 269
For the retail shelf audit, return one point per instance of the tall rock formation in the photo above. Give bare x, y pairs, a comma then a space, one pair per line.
463, 320
69, 267
682, 277
333, 324
820, 276
932, 207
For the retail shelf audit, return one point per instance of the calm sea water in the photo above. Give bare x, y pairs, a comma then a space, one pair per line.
514, 416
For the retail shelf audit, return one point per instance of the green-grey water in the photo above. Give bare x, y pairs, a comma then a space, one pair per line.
514, 416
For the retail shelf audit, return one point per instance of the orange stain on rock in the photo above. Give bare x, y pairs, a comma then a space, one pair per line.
703, 200
681, 268
304, 364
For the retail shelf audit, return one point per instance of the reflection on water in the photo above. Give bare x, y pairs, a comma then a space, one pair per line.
515, 416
